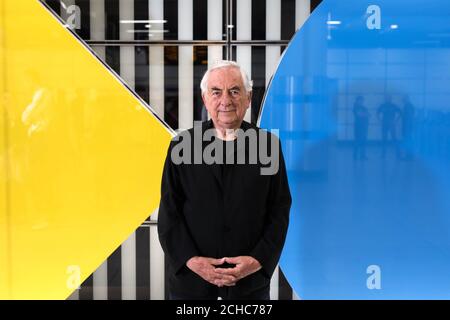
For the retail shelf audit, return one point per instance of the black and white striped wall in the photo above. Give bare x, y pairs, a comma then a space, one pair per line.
160, 49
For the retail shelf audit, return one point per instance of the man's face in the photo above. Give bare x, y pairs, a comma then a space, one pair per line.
226, 98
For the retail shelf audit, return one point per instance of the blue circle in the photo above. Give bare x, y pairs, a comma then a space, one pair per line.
369, 176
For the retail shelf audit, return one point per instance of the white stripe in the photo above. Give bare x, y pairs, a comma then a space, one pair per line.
214, 32
97, 25
185, 87
185, 66
215, 20
273, 19
156, 66
127, 65
244, 58
126, 11
244, 20
302, 10
154, 215
97, 20
100, 282
100, 51
156, 12
185, 20
129, 268
156, 266
244, 32
214, 55
272, 58
156, 61
274, 284
273, 32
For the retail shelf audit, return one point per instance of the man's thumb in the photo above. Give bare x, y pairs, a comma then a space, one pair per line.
217, 262
233, 260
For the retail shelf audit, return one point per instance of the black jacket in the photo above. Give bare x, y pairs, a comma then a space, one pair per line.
203, 214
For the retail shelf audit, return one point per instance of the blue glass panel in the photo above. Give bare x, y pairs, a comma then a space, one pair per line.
362, 101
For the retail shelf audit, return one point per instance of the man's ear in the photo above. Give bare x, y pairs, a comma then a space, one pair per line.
250, 95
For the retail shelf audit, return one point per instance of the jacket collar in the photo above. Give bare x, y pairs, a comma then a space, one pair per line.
215, 167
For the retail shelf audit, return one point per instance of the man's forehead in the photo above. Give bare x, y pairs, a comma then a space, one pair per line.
229, 76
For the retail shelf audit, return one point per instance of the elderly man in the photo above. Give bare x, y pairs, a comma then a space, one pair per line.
222, 225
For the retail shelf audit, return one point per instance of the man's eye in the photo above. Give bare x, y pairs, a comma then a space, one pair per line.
215, 93
235, 92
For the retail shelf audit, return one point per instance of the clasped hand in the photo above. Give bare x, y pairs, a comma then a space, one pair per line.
209, 269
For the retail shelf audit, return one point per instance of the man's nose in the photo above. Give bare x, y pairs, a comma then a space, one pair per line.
226, 99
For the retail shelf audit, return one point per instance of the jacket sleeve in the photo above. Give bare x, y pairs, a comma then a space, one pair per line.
268, 249
173, 233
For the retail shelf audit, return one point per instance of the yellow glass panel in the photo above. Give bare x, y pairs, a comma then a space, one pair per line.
4, 235
85, 157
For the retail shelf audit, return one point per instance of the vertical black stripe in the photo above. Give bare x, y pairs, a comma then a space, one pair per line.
140, 13
115, 275
258, 20
227, 29
143, 263
142, 76
224, 53
233, 4
287, 19
54, 5
112, 20
259, 79
200, 67
171, 86
171, 15
314, 4
284, 290
224, 18
86, 291
234, 53
200, 20
85, 31
112, 53
141, 54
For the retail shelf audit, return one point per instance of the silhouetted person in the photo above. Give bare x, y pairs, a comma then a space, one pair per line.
361, 127
389, 114
408, 115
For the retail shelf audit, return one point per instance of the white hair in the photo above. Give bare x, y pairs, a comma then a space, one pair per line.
248, 84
